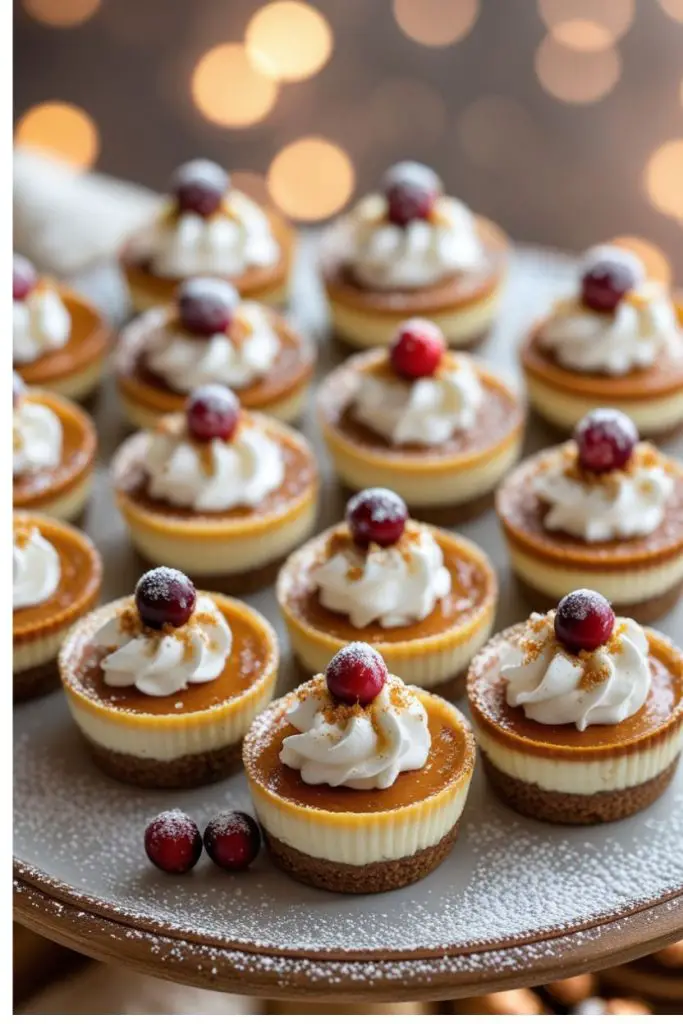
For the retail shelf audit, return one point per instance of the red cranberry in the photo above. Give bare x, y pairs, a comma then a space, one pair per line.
417, 349
173, 842
199, 187
206, 305
18, 388
232, 840
376, 516
606, 439
212, 413
411, 189
584, 620
606, 281
24, 277
356, 674
165, 597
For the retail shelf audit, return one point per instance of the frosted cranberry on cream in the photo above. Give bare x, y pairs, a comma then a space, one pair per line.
578, 712
435, 426
423, 597
605, 510
332, 766
411, 250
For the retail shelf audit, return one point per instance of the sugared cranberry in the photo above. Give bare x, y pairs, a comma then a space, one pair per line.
606, 439
232, 840
376, 516
165, 597
212, 413
356, 674
173, 842
411, 189
199, 187
24, 277
18, 388
607, 279
206, 305
584, 620
417, 349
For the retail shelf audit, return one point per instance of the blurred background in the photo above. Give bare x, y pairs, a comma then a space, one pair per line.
561, 119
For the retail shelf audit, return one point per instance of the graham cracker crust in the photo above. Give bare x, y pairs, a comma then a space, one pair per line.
645, 612
575, 808
35, 682
380, 876
444, 515
183, 773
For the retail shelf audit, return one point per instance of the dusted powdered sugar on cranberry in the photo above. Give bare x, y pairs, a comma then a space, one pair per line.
232, 840
417, 350
199, 186
584, 620
376, 516
606, 282
212, 413
24, 278
173, 842
356, 674
206, 305
165, 597
606, 439
411, 190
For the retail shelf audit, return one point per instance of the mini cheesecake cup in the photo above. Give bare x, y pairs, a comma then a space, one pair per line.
651, 397
239, 550
641, 576
76, 369
464, 305
282, 393
561, 775
269, 285
436, 659
62, 492
174, 747
435, 481
357, 850
38, 632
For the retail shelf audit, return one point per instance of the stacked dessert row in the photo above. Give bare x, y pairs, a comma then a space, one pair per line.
360, 776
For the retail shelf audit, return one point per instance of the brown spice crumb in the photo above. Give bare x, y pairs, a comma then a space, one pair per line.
22, 535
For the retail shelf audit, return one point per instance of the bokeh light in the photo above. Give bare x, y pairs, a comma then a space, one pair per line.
61, 129
580, 34
494, 130
61, 13
664, 178
288, 40
655, 261
615, 16
229, 90
311, 178
436, 22
252, 183
575, 76
674, 8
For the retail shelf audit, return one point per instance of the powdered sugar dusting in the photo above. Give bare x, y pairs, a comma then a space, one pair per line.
506, 880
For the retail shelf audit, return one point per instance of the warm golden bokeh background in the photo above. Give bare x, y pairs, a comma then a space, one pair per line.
562, 119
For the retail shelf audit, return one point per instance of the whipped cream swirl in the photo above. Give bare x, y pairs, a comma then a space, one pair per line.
41, 323
385, 256
186, 362
555, 687
162, 662
610, 506
394, 586
428, 411
227, 243
216, 476
37, 438
643, 327
358, 747
36, 568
